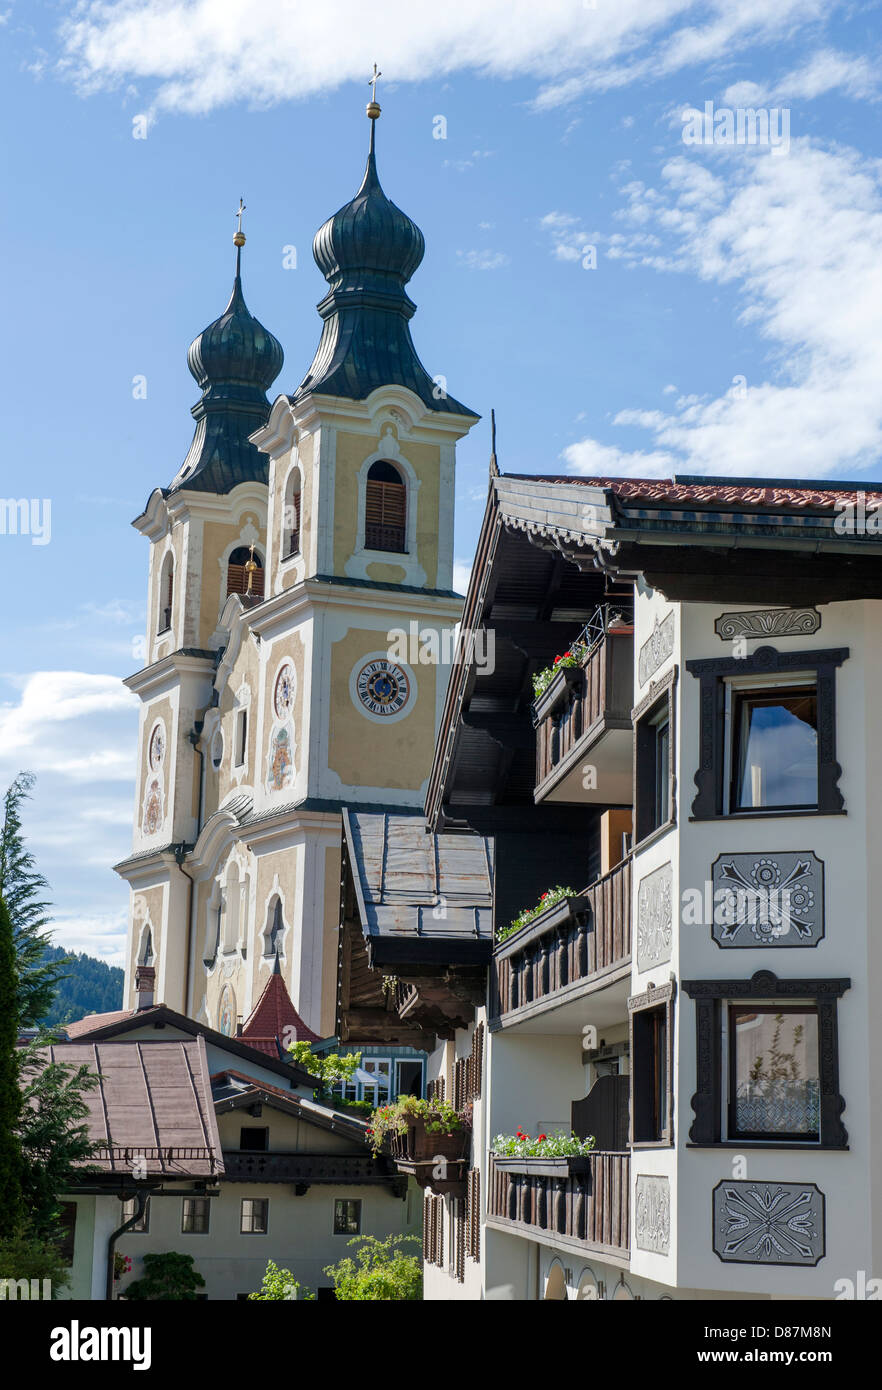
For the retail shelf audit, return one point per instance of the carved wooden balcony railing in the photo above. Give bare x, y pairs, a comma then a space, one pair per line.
242, 1165
587, 1209
578, 943
584, 702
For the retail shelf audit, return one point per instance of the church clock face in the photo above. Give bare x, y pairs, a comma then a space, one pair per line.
382, 687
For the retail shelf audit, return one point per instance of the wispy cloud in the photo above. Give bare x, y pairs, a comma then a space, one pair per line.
482, 260
800, 241
196, 55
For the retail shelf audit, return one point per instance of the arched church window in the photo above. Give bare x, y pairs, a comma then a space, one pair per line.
166, 593
217, 749
147, 957
231, 910
237, 572
275, 928
385, 512
213, 932
291, 516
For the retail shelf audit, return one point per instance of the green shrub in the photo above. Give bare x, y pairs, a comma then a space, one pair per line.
380, 1271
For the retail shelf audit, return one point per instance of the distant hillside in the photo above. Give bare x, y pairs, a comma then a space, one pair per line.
91, 987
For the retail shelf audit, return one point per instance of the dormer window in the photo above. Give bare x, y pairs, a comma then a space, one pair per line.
385, 509
237, 572
291, 517
166, 594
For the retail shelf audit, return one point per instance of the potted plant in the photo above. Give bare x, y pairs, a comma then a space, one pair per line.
418, 1130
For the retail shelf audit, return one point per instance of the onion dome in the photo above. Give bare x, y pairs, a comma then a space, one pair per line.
234, 360
367, 252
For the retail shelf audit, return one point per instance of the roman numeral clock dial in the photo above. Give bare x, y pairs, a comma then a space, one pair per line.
382, 687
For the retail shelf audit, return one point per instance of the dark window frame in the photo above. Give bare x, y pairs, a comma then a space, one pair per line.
764, 987
656, 707
347, 1202
253, 1231
711, 801
143, 1226
206, 1204
656, 1001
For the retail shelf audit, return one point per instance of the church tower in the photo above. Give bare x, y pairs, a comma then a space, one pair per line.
292, 552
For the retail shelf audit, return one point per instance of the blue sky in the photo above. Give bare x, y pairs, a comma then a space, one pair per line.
728, 319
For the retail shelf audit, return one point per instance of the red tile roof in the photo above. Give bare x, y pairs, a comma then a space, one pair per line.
274, 1021
762, 493
91, 1022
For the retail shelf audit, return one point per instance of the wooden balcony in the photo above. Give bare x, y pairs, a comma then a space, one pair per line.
584, 717
586, 1211
580, 945
241, 1165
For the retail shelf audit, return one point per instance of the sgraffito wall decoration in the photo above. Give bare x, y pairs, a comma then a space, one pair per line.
768, 1223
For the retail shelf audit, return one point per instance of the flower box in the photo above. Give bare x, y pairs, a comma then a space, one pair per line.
545, 1167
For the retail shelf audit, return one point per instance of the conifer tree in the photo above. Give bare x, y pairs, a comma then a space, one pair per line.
23, 888
11, 1204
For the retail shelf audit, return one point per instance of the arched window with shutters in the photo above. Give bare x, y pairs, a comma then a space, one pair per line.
385, 515
291, 516
237, 572
166, 593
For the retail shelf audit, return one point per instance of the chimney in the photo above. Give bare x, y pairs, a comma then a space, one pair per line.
145, 983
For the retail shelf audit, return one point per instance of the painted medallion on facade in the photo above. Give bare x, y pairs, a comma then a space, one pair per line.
382, 687
153, 809
283, 694
226, 1014
280, 753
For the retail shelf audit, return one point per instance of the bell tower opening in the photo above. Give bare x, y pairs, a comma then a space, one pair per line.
385, 526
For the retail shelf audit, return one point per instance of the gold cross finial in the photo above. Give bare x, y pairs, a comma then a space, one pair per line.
250, 567
239, 235
373, 106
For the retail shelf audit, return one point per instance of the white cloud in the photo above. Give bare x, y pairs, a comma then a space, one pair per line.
569, 239
201, 54
462, 573
825, 71
595, 460
483, 260
78, 732
49, 727
102, 935
800, 240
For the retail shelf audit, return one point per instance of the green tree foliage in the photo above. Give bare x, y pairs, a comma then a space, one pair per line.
329, 1070
166, 1277
11, 1104
23, 889
279, 1284
53, 1134
27, 1257
380, 1271
88, 986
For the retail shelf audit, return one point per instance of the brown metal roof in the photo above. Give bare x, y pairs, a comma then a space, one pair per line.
152, 1110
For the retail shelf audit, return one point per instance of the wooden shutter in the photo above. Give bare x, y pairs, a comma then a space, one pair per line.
460, 1239
237, 581
385, 515
292, 531
474, 1214
427, 1227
